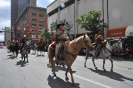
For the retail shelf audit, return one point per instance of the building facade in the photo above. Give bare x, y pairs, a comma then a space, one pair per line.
116, 13
7, 34
17, 7
31, 22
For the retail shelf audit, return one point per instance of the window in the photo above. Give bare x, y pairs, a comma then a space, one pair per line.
33, 31
53, 12
40, 20
40, 15
33, 19
33, 14
33, 25
33, 36
40, 25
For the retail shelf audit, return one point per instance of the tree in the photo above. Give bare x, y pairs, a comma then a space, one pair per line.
53, 27
91, 21
67, 26
45, 34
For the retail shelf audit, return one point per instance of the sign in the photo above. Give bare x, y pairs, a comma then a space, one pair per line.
116, 32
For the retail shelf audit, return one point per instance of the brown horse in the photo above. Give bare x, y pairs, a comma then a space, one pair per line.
70, 53
41, 48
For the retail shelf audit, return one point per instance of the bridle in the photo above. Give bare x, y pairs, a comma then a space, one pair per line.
85, 41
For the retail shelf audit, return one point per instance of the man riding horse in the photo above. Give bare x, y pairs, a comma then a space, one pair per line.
23, 41
60, 37
99, 41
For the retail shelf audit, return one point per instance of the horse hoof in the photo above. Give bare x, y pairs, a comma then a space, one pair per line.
67, 78
96, 68
104, 70
85, 66
111, 70
54, 75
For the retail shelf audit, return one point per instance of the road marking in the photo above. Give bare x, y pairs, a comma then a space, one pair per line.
92, 81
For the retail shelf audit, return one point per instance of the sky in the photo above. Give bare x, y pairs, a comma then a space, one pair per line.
5, 13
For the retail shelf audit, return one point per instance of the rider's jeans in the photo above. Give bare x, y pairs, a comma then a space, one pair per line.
57, 49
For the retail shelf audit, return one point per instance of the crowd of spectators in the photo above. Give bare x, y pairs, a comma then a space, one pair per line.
127, 50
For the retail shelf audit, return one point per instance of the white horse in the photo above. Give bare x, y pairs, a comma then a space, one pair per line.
105, 52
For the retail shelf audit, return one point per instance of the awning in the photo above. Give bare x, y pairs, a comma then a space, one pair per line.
129, 31
116, 32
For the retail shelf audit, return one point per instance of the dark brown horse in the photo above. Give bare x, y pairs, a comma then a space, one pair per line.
41, 49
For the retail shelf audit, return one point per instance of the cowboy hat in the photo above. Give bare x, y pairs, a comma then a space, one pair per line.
59, 25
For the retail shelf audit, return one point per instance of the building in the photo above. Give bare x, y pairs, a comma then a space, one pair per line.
23, 3
7, 34
31, 22
17, 7
116, 13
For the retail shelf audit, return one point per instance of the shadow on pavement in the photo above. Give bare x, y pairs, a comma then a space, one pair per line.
111, 75
21, 63
57, 68
59, 83
11, 57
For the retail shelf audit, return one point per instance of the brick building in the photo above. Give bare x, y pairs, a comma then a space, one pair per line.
31, 22
17, 7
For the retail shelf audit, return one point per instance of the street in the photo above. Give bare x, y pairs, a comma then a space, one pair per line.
14, 73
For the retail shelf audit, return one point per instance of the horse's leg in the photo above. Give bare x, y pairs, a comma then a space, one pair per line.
87, 55
53, 67
24, 58
70, 70
94, 61
16, 53
63, 64
27, 57
104, 64
111, 63
66, 74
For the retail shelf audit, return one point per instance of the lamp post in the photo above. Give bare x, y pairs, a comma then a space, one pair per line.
103, 15
108, 13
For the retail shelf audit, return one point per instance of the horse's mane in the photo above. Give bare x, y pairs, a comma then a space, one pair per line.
76, 39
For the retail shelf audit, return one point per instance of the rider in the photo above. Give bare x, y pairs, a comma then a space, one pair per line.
60, 37
99, 41
41, 41
23, 41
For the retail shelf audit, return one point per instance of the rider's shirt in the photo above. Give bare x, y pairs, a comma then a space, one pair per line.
61, 35
23, 41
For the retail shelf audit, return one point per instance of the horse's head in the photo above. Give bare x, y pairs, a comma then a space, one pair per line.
116, 44
87, 42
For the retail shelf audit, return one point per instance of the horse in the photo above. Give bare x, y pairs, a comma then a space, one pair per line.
24, 52
105, 52
41, 48
14, 48
70, 54
34, 48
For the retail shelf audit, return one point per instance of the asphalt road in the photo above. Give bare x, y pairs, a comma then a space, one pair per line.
14, 73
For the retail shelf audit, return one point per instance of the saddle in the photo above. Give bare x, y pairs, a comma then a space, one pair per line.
60, 54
